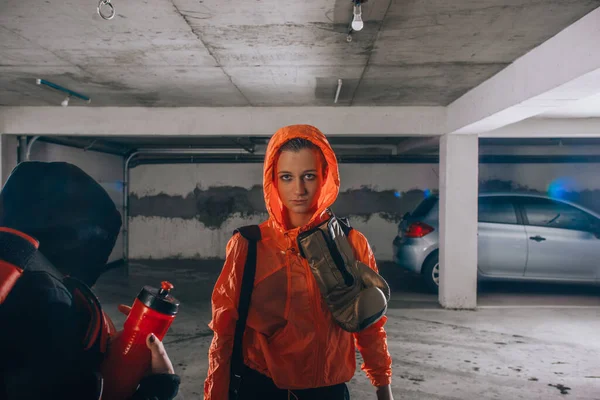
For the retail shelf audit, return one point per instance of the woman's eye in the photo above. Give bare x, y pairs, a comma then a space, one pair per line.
285, 177
310, 177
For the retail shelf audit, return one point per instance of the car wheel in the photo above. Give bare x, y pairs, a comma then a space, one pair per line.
431, 273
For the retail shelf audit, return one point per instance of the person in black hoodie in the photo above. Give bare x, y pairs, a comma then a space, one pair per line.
74, 224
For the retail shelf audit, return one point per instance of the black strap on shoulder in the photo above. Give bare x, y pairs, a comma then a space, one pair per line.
20, 253
15, 249
252, 234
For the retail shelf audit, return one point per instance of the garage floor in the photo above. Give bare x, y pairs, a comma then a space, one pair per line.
525, 342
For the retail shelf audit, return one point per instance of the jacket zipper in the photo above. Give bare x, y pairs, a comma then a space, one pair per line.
316, 311
314, 302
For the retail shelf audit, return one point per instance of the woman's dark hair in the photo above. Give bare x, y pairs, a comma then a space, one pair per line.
297, 144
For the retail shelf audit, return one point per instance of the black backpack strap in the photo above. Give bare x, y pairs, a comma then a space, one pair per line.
16, 249
20, 255
252, 234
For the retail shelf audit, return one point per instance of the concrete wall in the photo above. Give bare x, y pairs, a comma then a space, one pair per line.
190, 210
105, 168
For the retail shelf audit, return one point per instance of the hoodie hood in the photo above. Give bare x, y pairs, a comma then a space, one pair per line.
331, 184
67, 211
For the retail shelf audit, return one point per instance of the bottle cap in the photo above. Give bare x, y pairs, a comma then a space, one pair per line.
161, 299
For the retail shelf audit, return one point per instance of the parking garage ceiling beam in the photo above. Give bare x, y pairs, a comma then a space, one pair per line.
226, 121
564, 69
549, 128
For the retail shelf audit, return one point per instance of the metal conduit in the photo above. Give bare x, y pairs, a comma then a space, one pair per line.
29, 146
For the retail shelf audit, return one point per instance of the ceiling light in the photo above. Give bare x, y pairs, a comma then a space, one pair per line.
357, 22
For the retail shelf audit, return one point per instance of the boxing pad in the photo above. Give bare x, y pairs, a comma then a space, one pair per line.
356, 295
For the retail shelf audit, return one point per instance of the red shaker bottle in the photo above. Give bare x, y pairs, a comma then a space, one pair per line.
128, 358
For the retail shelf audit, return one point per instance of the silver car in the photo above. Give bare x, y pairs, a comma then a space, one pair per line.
521, 237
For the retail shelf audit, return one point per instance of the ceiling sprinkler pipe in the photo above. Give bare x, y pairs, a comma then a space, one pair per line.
70, 93
339, 89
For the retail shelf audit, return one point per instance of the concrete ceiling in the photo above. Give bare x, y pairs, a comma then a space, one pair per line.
267, 52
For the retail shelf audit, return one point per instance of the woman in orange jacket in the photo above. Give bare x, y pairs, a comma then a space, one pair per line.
292, 346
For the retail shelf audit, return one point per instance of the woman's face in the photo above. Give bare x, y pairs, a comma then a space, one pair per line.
299, 179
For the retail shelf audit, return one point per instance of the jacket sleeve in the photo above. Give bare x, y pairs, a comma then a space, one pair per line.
372, 342
158, 387
39, 344
225, 299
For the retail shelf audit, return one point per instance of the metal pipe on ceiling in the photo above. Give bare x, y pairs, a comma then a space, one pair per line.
419, 144
25, 145
337, 92
391, 147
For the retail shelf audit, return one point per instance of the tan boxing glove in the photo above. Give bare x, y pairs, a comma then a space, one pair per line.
356, 295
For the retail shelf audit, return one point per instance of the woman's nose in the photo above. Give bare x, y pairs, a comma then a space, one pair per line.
300, 188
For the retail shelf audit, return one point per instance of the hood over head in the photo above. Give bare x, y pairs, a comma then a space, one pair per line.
331, 185
67, 211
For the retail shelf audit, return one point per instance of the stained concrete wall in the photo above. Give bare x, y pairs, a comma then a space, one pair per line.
105, 168
190, 211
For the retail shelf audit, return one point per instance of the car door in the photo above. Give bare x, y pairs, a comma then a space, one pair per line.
502, 241
562, 242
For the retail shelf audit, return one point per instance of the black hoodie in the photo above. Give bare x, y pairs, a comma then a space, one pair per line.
67, 211
76, 224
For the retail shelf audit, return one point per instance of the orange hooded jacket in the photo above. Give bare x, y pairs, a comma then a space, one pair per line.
291, 335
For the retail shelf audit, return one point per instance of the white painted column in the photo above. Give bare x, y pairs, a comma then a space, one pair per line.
459, 171
8, 156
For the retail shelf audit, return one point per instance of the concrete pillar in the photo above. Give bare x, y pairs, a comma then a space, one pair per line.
8, 156
459, 171
22, 149
2, 169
